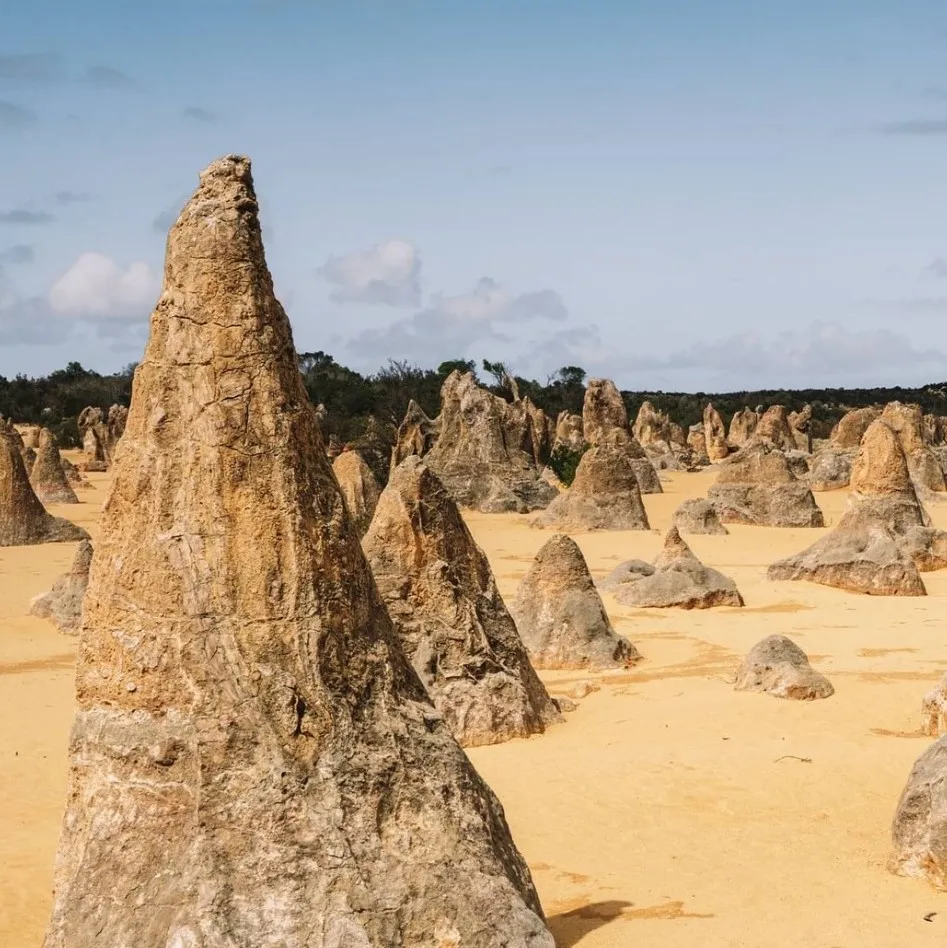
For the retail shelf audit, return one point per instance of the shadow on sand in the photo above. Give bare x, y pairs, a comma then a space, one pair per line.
569, 928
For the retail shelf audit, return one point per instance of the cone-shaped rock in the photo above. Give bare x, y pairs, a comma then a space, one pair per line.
604, 496
359, 488
757, 486
48, 477
919, 829
23, 518
253, 761
934, 710
63, 603
449, 615
484, 450
698, 516
715, 434
679, 580
777, 666
560, 616
884, 537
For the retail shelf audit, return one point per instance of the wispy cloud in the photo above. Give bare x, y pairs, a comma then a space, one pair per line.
918, 127
30, 68
18, 253
21, 215
65, 198
937, 268
389, 273
15, 116
196, 114
104, 77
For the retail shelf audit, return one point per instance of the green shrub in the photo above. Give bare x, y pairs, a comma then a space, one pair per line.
564, 462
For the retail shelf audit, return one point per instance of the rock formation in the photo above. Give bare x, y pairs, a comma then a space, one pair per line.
919, 829
24, 521
484, 450
569, 432
757, 486
742, 426
77, 481
96, 439
253, 761
30, 436
449, 615
831, 469
884, 537
416, 435
117, 419
63, 603
851, 427
907, 422
800, 423
777, 666
604, 496
697, 442
48, 477
715, 434
560, 616
360, 490
773, 428
678, 579
934, 710
698, 516
652, 427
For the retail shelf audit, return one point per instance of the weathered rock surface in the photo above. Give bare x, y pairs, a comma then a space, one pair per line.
742, 426
253, 761
560, 616
484, 450
48, 477
919, 829
63, 603
851, 428
777, 666
831, 469
715, 434
604, 496
652, 427
24, 520
449, 615
679, 580
698, 516
907, 421
416, 435
95, 439
883, 539
77, 481
359, 488
800, 423
934, 710
773, 428
757, 486
569, 432
697, 442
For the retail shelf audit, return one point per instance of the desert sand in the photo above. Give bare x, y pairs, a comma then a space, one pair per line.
668, 810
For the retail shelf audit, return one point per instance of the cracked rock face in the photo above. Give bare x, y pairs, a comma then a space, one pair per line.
62, 605
253, 762
560, 616
449, 615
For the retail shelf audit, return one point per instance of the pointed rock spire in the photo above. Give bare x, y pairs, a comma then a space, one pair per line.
359, 488
48, 477
253, 762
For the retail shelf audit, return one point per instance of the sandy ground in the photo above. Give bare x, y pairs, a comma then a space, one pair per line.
668, 810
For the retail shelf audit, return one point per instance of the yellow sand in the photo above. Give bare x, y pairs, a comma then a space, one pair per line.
660, 813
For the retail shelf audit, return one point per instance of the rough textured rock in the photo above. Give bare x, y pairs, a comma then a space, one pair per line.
602, 410
907, 422
679, 580
697, 442
698, 516
604, 496
117, 419
742, 426
883, 539
652, 427
560, 616
449, 615
934, 710
95, 439
484, 451
30, 436
77, 481
569, 432
63, 603
24, 520
360, 490
935, 430
773, 428
777, 666
919, 829
48, 477
851, 428
715, 434
756, 486
800, 423
253, 761
541, 431
831, 469
628, 572
416, 435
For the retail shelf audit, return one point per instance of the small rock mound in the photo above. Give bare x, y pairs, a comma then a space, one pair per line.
360, 490
777, 666
63, 603
758, 487
919, 829
48, 477
698, 516
448, 613
604, 496
678, 580
934, 710
560, 616
24, 521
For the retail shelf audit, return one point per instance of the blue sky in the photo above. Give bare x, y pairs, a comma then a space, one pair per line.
679, 195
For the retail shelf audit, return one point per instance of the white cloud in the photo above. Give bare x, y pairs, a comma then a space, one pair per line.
96, 286
388, 274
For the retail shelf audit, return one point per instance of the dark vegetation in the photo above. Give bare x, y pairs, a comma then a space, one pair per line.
368, 408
